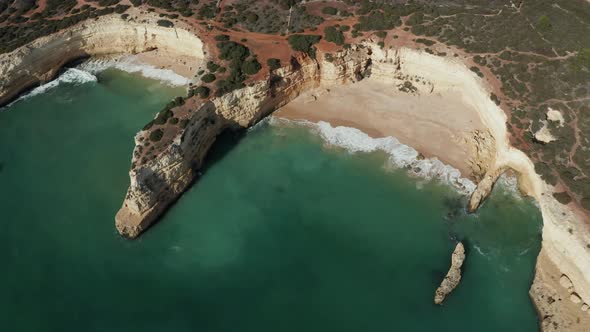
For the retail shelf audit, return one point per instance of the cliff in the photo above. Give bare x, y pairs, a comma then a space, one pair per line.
39, 61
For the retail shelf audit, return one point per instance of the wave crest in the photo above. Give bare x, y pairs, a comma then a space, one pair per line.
400, 155
131, 64
70, 76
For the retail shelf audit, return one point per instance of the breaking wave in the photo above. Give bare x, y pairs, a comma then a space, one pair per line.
71, 76
131, 64
400, 155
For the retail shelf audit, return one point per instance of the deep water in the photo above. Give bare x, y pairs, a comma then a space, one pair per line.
281, 233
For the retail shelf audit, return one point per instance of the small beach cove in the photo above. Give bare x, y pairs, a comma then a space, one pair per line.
283, 231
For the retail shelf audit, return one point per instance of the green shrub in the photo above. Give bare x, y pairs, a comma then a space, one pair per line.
212, 66
381, 34
156, 135
251, 17
202, 91
495, 98
222, 38
165, 23
334, 35
544, 23
329, 10
251, 67
562, 197
426, 42
328, 57
273, 63
208, 78
304, 43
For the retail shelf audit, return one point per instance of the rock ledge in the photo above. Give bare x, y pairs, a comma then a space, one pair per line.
453, 277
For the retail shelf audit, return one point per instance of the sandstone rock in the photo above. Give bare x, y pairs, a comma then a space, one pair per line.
453, 277
575, 298
584, 307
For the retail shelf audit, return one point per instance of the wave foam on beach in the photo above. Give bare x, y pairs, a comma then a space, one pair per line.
70, 76
400, 155
131, 64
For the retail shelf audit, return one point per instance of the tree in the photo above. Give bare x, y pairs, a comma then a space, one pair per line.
273, 63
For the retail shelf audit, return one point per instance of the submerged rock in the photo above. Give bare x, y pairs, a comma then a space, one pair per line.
453, 277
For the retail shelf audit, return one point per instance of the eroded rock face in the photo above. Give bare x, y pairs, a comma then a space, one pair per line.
40, 61
453, 277
159, 182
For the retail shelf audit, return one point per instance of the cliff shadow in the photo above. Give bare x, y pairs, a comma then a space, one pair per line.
224, 144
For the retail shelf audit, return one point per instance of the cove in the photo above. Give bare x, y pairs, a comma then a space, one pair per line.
280, 233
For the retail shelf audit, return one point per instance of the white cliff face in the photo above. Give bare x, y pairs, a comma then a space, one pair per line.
40, 60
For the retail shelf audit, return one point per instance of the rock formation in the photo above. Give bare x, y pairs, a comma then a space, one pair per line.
39, 61
156, 183
453, 277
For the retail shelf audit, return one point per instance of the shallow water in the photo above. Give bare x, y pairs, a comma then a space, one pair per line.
281, 233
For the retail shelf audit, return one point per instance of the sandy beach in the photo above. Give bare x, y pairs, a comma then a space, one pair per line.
437, 125
182, 65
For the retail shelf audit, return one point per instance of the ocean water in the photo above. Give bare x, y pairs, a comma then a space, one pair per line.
282, 232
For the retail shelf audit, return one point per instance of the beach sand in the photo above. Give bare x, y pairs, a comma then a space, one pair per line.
182, 65
436, 125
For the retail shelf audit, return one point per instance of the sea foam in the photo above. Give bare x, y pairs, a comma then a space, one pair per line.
131, 64
71, 76
400, 155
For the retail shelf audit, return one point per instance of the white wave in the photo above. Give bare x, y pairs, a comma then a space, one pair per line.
524, 251
509, 184
71, 76
131, 64
478, 249
400, 155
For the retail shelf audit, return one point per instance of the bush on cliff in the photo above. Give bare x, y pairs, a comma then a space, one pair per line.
156, 135
304, 43
208, 78
273, 63
165, 23
334, 35
329, 10
251, 67
202, 91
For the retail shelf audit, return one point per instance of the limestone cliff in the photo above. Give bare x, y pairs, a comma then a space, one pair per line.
39, 61
155, 184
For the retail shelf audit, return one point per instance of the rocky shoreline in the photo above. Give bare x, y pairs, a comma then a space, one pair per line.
157, 183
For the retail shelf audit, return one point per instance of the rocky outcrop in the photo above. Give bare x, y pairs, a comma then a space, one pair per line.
453, 277
40, 61
558, 305
159, 182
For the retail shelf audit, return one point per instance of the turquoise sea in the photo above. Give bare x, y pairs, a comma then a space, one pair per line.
281, 233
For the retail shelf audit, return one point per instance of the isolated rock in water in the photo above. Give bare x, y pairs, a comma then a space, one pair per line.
453, 276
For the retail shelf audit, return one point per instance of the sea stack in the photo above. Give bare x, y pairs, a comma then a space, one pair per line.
453, 277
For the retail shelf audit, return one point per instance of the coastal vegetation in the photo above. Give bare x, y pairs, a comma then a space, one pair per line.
334, 35
273, 63
304, 43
